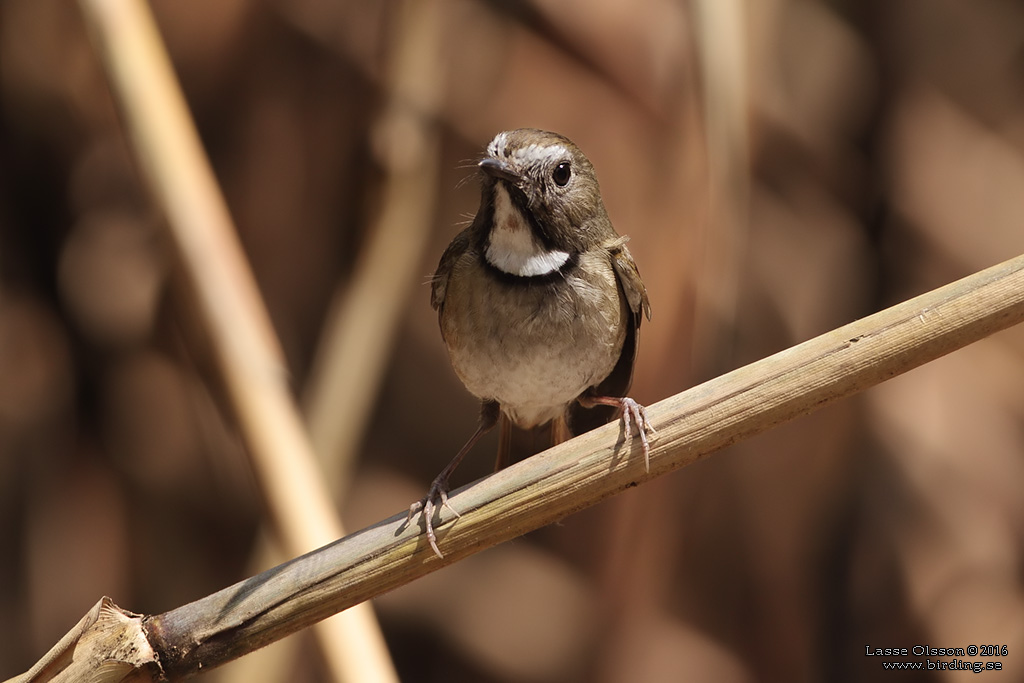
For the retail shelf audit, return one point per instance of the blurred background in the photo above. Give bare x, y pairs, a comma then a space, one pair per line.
782, 167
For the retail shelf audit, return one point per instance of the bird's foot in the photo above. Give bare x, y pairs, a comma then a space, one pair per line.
632, 414
437, 497
635, 414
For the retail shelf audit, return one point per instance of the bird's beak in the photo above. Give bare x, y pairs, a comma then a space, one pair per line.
496, 168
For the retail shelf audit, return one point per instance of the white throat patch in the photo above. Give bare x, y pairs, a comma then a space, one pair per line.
512, 248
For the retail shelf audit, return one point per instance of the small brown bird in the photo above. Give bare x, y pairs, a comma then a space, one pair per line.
539, 301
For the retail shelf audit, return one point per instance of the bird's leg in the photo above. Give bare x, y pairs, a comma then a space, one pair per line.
438, 492
632, 412
504, 443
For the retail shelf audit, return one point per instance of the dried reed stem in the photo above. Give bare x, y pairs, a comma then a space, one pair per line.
590, 468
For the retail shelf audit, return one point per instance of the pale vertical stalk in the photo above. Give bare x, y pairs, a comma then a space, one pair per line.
365, 314
722, 56
245, 349
366, 310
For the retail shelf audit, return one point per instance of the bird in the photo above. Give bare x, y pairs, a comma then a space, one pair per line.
539, 302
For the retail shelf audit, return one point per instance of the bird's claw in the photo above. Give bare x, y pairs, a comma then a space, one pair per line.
427, 506
634, 413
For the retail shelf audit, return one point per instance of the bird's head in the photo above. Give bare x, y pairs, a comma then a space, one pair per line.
544, 201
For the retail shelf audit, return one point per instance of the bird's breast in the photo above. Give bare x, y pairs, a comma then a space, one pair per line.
533, 348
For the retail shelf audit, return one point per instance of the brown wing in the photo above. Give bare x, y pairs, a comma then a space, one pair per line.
439, 282
629, 279
632, 288
617, 383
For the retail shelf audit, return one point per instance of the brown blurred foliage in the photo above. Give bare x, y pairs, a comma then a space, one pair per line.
782, 167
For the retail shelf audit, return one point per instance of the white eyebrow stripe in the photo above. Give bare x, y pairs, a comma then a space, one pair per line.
496, 148
526, 156
540, 154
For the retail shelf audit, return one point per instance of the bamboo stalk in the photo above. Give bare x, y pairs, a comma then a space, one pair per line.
576, 474
246, 352
590, 468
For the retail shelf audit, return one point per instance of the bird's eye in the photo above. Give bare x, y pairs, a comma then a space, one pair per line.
561, 174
